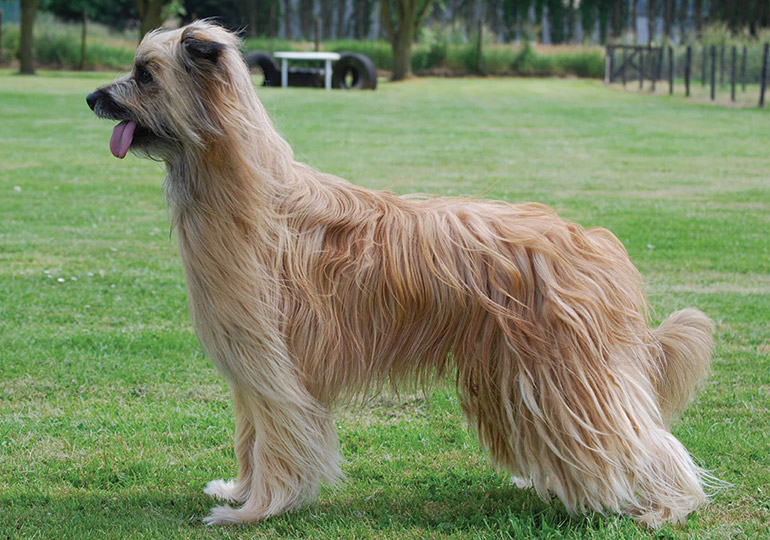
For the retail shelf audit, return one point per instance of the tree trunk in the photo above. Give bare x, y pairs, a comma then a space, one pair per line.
668, 17
617, 20
604, 19
698, 18
683, 20
326, 19
287, 19
571, 21
341, 9
634, 9
402, 56
306, 10
149, 15
360, 7
556, 20
252, 17
401, 29
273, 17
28, 10
539, 9
651, 21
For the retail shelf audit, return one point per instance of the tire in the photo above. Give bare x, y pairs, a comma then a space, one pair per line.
308, 77
265, 62
354, 70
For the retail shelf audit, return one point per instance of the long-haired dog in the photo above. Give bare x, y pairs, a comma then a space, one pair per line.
305, 289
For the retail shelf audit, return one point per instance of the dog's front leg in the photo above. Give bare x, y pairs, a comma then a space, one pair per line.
237, 491
286, 446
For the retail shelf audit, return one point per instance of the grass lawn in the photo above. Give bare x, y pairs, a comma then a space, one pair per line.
112, 420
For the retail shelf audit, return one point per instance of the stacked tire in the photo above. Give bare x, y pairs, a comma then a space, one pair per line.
354, 71
266, 63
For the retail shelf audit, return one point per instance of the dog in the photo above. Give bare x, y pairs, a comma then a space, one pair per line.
306, 291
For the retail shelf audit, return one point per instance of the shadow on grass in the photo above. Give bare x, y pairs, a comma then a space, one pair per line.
479, 511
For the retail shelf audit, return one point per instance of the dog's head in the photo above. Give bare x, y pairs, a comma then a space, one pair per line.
165, 105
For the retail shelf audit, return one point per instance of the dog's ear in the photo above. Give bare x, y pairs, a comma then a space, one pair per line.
201, 50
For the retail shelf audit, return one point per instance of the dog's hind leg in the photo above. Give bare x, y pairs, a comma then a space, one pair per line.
237, 491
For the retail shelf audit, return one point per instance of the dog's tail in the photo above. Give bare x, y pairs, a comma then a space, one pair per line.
686, 342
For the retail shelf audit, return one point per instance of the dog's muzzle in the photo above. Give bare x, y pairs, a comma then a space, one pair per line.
92, 98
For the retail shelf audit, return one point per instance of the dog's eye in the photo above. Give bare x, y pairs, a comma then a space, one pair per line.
143, 76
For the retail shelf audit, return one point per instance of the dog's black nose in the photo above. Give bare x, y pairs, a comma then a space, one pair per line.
91, 100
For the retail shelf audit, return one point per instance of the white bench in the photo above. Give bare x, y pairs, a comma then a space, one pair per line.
327, 57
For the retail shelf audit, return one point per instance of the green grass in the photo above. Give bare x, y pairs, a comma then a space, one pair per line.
112, 420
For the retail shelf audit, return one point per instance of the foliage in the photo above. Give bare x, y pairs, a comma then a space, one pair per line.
59, 45
115, 13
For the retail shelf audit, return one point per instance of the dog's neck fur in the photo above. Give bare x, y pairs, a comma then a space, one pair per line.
239, 167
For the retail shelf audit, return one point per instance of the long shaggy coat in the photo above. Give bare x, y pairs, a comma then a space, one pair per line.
305, 290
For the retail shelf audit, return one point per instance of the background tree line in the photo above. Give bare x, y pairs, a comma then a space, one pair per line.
508, 19
399, 21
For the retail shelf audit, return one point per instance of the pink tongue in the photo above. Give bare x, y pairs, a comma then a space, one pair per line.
121, 138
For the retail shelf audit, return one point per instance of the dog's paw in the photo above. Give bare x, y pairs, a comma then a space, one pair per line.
225, 490
522, 483
223, 515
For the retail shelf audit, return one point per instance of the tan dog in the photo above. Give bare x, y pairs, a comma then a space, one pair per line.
305, 289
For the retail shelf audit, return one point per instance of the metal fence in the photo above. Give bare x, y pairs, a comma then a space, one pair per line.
704, 70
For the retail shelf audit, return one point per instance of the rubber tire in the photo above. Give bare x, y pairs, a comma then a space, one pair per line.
360, 67
264, 61
307, 77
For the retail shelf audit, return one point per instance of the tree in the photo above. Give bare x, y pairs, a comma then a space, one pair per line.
510, 19
651, 16
587, 18
114, 13
603, 8
683, 4
287, 18
26, 58
150, 12
570, 21
539, 9
362, 13
556, 20
668, 17
402, 19
698, 18
306, 18
617, 19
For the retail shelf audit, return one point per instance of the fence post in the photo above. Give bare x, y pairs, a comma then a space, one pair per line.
687, 71
625, 61
641, 68
743, 70
713, 71
763, 82
732, 73
721, 65
670, 70
703, 66
653, 69
607, 66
